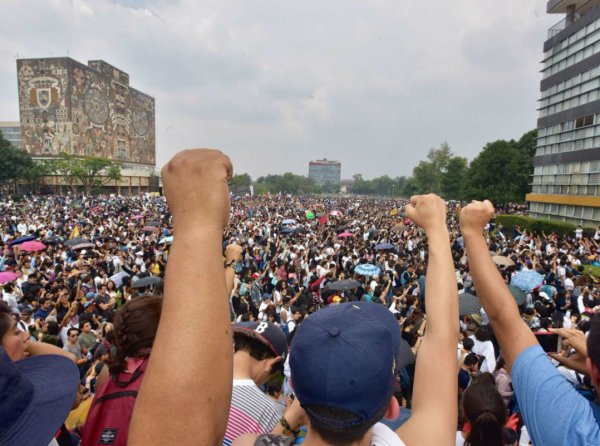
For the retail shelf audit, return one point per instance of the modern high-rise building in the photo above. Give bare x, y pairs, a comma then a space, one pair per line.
11, 131
87, 110
566, 178
325, 171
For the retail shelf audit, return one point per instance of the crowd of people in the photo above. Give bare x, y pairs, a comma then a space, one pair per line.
289, 320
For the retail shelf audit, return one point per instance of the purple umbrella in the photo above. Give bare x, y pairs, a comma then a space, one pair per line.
20, 240
32, 246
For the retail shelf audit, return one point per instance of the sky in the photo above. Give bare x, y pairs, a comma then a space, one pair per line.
274, 84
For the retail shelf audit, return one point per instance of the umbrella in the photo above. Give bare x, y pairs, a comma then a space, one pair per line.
118, 278
76, 241
8, 276
527, 280
83, 246
103, 238
345, 234
20, 240
53, 239
137, 217
154, 223
150, 229
336, 213
288, 221
32, 246
146, 281
342, 285
517, 293
399, 228
366, 269
168, 239
286, 231
384, 246
468, 304
310, 215
502, 261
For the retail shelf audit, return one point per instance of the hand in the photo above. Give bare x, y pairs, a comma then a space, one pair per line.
475, 216
576, 340
195, 185
427, 211
233, 253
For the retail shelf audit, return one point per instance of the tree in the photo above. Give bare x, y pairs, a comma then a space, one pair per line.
428, 174
89, 172
288, 183
499, 173
453, 180
242, 180
38, 171
14, 163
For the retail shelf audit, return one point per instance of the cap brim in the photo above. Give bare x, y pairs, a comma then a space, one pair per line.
246, 331
55, 381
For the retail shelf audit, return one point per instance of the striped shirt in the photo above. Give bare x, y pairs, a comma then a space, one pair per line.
251, 411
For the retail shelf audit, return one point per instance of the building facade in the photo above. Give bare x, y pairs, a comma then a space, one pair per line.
11, 131
566, 178
84, 110
325, 171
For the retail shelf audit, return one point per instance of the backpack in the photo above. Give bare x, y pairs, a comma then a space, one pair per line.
110, 413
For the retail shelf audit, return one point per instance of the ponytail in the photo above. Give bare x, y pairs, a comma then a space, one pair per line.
486, 430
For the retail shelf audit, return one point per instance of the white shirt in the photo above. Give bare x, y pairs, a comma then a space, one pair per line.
485, 349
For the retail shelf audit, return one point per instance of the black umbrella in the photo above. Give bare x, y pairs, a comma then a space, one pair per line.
342, 285
76, 241
103, 238
468, 304
518, 294
20, 240
53, 239
146, 281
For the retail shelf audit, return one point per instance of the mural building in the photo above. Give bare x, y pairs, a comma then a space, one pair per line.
84, 110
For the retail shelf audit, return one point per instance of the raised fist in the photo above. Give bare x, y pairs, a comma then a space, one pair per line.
475, 216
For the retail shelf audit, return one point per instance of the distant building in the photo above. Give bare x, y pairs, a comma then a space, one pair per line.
325, 171
87, 110
566, 177
11, 131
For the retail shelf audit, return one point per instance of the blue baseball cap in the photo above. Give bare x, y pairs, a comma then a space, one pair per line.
347, 357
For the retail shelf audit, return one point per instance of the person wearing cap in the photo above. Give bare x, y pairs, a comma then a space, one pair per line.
260, 349
345, 359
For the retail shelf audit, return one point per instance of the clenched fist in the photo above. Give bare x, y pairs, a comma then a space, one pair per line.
195, 185
427, 211
475, 216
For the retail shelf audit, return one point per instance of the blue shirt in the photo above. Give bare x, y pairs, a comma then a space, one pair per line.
554, 412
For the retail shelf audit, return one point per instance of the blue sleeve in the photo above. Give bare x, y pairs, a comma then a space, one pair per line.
554, 412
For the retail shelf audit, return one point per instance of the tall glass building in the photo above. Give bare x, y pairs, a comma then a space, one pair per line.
566, 178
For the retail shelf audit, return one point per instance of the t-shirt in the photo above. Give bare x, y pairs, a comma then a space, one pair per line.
251, 411
463, 379
381, 435
554, 412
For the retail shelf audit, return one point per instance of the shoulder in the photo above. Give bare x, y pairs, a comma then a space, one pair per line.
381, 435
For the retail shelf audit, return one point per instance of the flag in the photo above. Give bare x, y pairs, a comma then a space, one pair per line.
74, 232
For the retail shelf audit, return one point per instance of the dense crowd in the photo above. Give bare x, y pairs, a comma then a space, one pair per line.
82, 277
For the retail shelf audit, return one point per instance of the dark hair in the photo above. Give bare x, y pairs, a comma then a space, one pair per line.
471, 359
340, 435
135, 328
72, 329
484, 408
255, 348
593, 341
468, 344
53, 328
483, 334
6, 322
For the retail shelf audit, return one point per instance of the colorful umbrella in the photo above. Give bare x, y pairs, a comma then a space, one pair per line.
310, 215
366, 269
32, 246
137, 217
527, 280
345, 234
168, 239
150, 229
384, 246
336, 213
288, 221
8, 276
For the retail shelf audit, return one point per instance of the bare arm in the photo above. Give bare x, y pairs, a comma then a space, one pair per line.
193, 347
42, 348
512, 333
434, 410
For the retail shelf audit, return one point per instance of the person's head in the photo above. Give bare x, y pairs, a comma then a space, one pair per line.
13, 340
344, 360
72, 335
26, 314
471, 363
135, 326
483, 334
468, 344
484, 408
296, 315
260, 348
45, 303
86, 327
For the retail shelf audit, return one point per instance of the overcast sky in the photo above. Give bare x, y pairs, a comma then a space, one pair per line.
276, 83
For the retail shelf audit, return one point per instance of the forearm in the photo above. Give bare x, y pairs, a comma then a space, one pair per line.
42, 348
192, 350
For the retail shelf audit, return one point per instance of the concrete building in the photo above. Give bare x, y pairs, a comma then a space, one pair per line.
87, 110
325, 171
11, 131
566, 179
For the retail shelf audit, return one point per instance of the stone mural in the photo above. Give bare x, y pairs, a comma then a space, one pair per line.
66, 106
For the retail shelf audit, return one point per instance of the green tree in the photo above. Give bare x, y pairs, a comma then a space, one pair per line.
89, 172
14, 163
38, 171
453, 180
428, 174
288, 183
499, 173
242, 180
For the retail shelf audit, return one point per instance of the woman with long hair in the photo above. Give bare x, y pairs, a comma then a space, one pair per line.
134, 330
